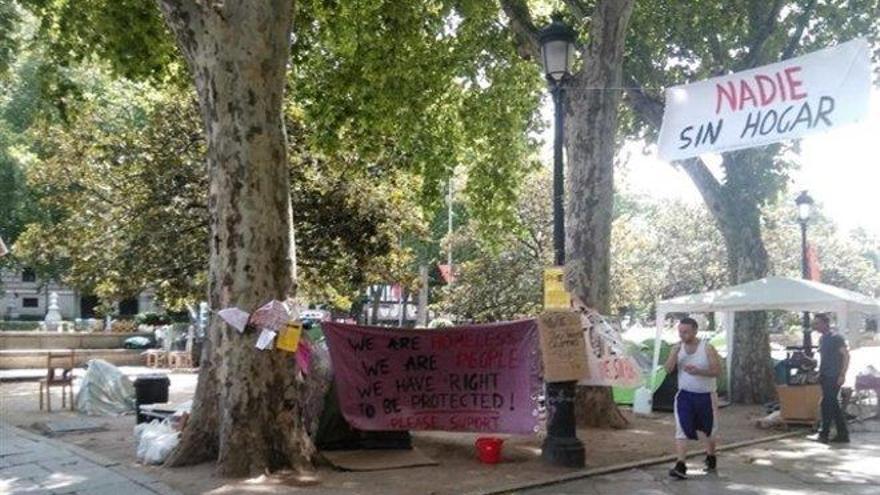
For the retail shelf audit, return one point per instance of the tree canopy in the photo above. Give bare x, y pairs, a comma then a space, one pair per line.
501, 279
130, 186
426, 86
378, 118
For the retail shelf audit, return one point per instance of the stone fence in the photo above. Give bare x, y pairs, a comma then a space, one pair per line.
30, 349
65, 340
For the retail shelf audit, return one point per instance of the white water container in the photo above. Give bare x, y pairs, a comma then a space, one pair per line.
643, 401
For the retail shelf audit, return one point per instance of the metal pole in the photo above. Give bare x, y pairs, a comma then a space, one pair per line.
562, 446
808, 343
423, 296
401, 307
449, 227
558, 178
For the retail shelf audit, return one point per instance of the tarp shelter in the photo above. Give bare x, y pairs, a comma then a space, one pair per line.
770, 293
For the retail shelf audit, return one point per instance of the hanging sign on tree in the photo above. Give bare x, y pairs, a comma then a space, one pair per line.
562, 346
786, 100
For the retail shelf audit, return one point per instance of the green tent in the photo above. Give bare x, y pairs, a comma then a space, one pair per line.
624, 395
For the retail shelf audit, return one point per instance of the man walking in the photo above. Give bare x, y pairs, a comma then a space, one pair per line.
834, 361
698, 366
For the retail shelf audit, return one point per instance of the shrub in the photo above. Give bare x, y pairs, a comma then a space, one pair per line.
153, 319
124, 326
19, 326
440, 323
156, 319
30, 318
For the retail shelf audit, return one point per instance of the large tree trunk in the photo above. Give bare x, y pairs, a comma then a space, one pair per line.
740, 224
246, 414
591, 117
739, 218
591, 109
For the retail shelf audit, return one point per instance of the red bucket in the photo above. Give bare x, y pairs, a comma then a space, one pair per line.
489, 449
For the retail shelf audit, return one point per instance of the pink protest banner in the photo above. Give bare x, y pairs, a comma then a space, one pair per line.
483, 378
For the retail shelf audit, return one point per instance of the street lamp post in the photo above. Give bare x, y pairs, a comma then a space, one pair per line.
561, 447
805, 210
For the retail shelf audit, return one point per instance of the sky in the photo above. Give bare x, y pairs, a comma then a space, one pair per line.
840, 169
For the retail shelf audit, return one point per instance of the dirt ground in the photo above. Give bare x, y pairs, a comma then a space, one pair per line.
458, 470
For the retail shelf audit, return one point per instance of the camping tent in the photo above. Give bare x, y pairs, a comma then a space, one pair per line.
779, 293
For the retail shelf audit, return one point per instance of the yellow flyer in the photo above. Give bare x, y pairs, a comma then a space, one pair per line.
555, 296
288, 340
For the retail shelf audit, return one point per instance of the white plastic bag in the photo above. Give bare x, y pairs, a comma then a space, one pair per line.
155, 441
104, 390
771, 420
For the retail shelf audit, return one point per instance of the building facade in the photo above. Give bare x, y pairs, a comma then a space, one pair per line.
24, 296
389, 305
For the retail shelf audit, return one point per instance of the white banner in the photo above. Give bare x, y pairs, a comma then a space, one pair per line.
785, 100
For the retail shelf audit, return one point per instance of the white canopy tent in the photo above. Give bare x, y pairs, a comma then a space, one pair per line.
770, 293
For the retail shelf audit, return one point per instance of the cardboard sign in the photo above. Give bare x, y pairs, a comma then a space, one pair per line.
555, 296
607, 361
483, 378
288, 339
786, 100
562, 346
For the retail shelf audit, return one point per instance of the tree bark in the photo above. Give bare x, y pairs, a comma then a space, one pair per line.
591, 112
747, 260
739, 219
591, 115
246, 414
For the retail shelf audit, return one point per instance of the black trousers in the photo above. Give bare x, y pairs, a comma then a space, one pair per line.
831, 410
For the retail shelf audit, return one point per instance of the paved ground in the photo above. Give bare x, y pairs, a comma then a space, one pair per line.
788, 467
31, 464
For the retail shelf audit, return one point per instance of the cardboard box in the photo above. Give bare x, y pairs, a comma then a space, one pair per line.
799, 402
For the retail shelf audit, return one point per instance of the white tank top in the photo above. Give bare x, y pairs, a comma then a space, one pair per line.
700, 359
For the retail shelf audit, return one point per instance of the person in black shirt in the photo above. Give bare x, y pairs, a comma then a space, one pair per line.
834, 360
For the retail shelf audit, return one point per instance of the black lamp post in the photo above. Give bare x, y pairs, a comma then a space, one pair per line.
561, 447
805, 210
557, 55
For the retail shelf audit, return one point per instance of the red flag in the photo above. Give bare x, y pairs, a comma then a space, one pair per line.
813, 271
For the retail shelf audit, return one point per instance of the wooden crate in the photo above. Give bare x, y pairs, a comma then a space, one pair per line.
799, 403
